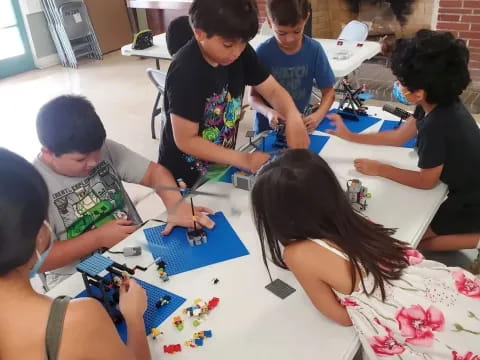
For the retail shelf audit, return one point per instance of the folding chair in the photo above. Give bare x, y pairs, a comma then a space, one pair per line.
354, 31
158, 79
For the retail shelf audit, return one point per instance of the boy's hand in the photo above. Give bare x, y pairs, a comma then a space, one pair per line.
368, 167
311, 122
253, 161
114, 231
133, 300
274, 117
340, 129
182, 216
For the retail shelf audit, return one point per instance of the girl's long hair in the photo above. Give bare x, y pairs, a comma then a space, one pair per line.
298, 197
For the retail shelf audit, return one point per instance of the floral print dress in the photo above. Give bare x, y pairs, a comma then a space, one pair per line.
432, 312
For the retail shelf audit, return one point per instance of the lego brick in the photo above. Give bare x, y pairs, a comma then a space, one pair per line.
95, 264
355, 126
153, 317
223, 244
280, 288
390, 125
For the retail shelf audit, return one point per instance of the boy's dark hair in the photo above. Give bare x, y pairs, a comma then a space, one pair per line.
287, 12
297, 197
231, 19
434, 61
69, 124
23, 208
179, 32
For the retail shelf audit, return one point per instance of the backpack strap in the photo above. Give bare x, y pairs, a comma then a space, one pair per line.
53, 336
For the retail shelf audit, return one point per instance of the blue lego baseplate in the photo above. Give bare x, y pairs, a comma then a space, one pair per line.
392, 124
317, 142
153, 317
222, 244
95, 264
355, 126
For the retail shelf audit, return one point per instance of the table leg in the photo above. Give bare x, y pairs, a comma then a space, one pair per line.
157, 62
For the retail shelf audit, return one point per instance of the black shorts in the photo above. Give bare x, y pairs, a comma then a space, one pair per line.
459, 214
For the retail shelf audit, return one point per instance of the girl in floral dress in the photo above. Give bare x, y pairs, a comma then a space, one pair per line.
401, 305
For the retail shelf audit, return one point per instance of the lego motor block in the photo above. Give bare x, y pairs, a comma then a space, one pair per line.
242, 180
357, 194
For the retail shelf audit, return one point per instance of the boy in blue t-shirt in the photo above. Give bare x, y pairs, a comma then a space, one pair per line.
295, 61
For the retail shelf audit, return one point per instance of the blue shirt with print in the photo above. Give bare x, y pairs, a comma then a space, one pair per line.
295, 72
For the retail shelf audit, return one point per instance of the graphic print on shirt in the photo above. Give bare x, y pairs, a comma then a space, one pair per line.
92, 202
220, 122
292, 78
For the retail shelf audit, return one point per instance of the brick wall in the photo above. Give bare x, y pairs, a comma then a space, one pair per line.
462, 18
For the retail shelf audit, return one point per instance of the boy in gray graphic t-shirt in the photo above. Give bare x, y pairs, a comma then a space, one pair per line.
89, 208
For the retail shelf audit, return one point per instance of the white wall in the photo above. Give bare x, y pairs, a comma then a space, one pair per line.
41, 43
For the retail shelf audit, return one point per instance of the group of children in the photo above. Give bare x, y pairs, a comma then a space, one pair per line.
71, 202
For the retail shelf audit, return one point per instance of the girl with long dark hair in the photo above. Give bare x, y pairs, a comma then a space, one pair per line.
354, 272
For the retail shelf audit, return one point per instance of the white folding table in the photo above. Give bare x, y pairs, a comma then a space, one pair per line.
343, 59
252, 323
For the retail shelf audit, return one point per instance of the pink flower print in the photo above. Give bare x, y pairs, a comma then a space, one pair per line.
385, 345
466, 286
417, 324
467, 356
348, 302
413, 256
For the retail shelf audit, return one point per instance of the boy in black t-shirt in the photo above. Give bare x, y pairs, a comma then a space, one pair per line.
204, 92
432, 71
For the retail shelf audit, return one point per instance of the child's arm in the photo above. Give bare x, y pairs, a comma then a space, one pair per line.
259, 105
312, 120
179, 213
325, 80
423, 179
186, 137
295, 131
66, 252
87, 322
305, 269
392, 138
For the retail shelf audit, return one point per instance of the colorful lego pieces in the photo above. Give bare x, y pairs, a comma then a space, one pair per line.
172, 349
178, 323
200, 309
198, 338
182, 185
212, 304
164, 300
161, 265
156, 333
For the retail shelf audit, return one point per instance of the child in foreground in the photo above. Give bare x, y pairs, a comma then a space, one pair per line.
401, 305
35, 326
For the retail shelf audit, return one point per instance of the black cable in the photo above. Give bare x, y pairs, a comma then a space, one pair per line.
115, 252
156, 220
193, 214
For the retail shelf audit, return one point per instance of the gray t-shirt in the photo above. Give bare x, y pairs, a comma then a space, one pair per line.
79, 204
